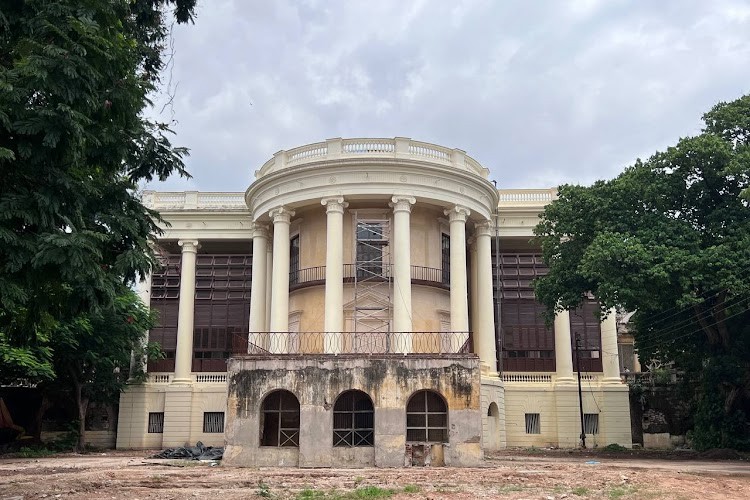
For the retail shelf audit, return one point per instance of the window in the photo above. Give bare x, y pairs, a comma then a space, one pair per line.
294, 260
532, 423
591, 423
279, 420
426, 418
585, 323
353, 420
446, 259
213, 422
528, 344
156, 422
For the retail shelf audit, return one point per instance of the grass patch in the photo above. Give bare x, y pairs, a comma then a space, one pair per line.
365, 492
26, 452
621, 491
264, 490
580, 491
412, 488
614, 447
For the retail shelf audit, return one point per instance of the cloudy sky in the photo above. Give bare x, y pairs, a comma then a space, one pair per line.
539, 92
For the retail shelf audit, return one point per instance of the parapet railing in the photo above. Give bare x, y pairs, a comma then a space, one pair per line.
193, 200
296, 343
398, 147
420, 275
526, 196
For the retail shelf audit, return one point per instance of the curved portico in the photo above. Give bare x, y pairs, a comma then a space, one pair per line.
420, 191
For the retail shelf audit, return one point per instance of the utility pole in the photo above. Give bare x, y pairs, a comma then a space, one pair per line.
580, 393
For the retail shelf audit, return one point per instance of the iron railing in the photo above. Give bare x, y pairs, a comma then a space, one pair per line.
420, 275
295, 343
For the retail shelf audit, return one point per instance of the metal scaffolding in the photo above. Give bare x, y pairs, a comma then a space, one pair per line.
372, 284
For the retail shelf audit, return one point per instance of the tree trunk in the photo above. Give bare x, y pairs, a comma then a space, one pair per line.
44, 405
82, 404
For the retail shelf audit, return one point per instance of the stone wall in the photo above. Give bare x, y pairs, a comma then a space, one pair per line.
389, 381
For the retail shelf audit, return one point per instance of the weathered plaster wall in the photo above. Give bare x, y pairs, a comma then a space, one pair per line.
183, 408
317, 381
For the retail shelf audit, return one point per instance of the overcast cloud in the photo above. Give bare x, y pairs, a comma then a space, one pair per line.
541, 93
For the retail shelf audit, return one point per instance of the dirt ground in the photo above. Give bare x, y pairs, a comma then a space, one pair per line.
131, 476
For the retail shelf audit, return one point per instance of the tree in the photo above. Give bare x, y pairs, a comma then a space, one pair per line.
75, 78
92, 353
669, 238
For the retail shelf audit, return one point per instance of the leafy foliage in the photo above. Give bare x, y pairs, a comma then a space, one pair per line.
92, 352
75, 77
668, 238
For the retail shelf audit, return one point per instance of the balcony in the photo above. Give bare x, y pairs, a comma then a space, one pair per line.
420, 275
358, 343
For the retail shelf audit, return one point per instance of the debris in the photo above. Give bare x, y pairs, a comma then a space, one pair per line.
197, 452
592, 462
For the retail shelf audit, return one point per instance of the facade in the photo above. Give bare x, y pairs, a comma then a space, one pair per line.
343, 311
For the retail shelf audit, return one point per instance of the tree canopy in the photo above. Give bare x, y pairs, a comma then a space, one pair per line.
669, 238
75, 79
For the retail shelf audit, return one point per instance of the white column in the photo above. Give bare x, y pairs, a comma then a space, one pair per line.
485, 336
402, 314
280, 282
269, 283
186, 315
333, 323
610, 357
258, 285
473, 294
563, 349
458, 295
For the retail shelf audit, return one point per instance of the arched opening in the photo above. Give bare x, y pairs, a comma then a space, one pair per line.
493, 411
353, 420
279, 420
426, 418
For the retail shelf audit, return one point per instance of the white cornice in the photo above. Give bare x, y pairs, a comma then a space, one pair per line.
371, 178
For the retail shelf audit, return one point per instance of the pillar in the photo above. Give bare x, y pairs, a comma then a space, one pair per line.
258, 283
402, 314
485, 336
333, 324
186, 313
269, 280
473, 294
458, 295
280, 280
563, 349
610, 356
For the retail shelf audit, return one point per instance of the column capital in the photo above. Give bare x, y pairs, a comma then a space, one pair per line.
334, 204
281, 214
457, 213
189, 246
259, 230
402, 203
483, 228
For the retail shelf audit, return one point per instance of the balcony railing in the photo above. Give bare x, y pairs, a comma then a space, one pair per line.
296, 343
399, 148
420, 275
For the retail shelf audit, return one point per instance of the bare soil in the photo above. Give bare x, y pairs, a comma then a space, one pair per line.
531, 474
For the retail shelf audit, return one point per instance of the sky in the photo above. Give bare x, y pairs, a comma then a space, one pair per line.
542, 93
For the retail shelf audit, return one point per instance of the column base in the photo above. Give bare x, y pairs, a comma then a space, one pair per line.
566, 380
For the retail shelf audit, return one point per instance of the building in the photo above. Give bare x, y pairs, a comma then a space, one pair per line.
341, 312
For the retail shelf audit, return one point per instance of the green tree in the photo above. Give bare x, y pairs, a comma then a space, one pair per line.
75, 79
92, 353
669, 238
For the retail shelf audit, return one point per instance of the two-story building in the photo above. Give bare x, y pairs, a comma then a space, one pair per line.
365, 302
